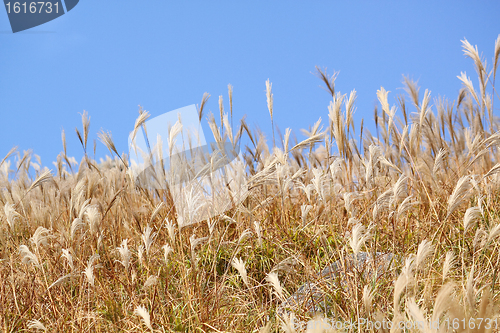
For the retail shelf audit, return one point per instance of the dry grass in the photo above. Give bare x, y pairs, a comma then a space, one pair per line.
84, 249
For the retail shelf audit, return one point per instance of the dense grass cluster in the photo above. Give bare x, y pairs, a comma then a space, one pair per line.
84, 249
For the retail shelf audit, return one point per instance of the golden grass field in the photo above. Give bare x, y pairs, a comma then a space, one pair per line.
83, 249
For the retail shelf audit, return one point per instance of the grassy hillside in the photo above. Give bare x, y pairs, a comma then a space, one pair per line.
83, 248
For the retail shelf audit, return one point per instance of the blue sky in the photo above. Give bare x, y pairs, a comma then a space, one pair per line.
108, 57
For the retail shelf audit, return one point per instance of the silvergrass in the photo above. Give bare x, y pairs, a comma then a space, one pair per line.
423, 190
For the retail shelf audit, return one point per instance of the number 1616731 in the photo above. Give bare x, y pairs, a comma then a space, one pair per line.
33, 7
472, 323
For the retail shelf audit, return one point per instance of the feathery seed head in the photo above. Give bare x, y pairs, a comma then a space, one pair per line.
93, 217
151, 281
269, 95
448, 264
11, 214
66, 254
125, 254
144, 314
40, 237
167, 250
148, 238
359, 236
460, 194
89, 270
36, 325
258, 231
273, 279
472, 214
425, 249
171, 230
368, 297
28, 257
239, 265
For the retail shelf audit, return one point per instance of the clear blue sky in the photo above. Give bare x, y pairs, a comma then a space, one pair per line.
108, 57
